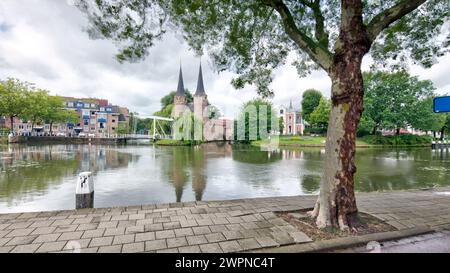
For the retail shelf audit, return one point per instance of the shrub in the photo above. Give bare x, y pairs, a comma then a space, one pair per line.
397, 140
315, 130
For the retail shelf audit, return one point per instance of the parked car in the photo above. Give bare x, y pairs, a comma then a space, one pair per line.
82, 134
60, 134
91, 135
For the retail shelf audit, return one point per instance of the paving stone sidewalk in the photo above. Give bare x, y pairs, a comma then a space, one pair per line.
216, 226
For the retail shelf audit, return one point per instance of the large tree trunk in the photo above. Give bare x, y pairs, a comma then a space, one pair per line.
336, 205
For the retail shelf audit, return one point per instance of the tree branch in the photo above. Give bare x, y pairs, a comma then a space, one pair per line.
320, 33
389, 16
317, 52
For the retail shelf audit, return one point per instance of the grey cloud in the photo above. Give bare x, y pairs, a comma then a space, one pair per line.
140, 100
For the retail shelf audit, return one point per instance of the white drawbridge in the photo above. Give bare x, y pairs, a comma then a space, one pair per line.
158, 130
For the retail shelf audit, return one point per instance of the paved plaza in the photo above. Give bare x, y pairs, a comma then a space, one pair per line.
215, 226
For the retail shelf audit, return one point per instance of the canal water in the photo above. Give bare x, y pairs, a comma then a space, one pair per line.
43, 177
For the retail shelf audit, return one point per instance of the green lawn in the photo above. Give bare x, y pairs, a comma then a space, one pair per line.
296, 141
308, 141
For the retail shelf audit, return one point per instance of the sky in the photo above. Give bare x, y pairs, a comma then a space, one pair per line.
43, 42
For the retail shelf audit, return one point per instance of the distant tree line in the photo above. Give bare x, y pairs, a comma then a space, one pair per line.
19, 99
392, 101
398, 100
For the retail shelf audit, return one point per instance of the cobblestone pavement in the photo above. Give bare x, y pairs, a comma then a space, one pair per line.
216, 226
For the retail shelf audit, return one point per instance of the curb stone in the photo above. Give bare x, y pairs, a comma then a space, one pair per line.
338, 243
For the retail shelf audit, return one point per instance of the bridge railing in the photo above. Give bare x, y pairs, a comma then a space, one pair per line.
139, 136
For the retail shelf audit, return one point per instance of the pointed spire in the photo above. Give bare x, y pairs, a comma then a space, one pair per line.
200, 87
290, 105
180, 89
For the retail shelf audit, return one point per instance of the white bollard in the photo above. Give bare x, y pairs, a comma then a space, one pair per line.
84, 194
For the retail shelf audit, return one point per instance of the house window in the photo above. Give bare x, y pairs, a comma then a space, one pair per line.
70, 104
113, 120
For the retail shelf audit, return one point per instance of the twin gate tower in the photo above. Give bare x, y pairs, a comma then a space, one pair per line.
199, 107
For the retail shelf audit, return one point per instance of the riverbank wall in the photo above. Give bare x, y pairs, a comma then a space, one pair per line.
66, 140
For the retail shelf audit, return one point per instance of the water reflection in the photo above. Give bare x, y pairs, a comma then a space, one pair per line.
33, 169
380, 169
27, 171
188, 165
254, 155
43, 177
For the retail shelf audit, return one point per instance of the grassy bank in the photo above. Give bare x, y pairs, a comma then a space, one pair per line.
174, 142
367, 141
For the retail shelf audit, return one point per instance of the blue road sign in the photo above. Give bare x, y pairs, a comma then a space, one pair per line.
441, 104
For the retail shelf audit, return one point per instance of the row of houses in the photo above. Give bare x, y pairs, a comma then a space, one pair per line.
97, 118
